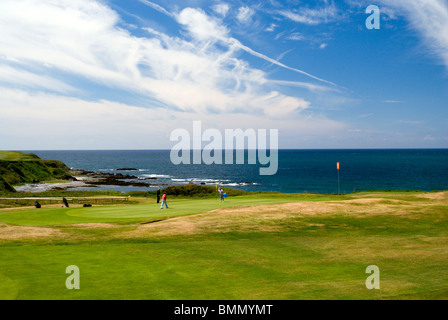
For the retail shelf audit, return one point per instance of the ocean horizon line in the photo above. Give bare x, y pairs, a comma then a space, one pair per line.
280, 149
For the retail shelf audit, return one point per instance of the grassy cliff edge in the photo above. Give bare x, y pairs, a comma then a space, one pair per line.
19, 167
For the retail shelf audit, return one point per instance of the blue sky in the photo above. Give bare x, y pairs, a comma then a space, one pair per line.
113, 74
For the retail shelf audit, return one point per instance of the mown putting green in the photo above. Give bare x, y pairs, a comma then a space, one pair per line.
254, 247
130, 213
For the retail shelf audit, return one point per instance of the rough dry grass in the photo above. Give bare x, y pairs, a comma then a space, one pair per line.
8, 232
435, 196
295, 250
259, 218
254, 218
231, 219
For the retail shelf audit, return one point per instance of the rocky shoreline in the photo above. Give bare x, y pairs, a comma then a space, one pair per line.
80, 178
109, 179
89, 179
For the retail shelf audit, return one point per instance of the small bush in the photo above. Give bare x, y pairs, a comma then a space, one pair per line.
194, 190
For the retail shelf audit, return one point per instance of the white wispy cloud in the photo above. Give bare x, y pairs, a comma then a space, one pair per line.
271, 27
17, 76
71, 36
245, 14
204, 27
157, 7
56, 121
430, 19
221, 8
392, 101
83, 39
268, 59
411, 122
306, 85
201, 26
296, 36
312, 16
429, 138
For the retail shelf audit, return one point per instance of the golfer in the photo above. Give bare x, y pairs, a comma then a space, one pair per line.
158, 195
164, 201
221, 193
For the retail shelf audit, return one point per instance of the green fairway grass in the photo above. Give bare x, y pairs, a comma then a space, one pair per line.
261, 246
143, 212
17, 156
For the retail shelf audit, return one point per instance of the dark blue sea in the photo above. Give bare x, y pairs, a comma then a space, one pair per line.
298, 170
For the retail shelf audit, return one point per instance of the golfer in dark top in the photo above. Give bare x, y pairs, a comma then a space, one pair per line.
158, 195
65, 202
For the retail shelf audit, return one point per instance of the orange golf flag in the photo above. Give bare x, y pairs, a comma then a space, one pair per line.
337, 165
